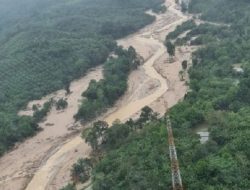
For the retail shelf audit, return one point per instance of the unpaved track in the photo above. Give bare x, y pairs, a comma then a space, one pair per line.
147, 86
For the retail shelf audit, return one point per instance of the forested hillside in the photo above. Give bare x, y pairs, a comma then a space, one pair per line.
46, 44
218, 99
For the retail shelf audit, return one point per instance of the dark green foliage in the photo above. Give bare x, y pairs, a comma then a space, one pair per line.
61, 104
204, 33
9, 133
233, 11
159, 9
170, 48
40, 114
198, 35
147, 114
81, 170
134, 158
218, 98
184, 64
47, 44
139, 162
188, 25
96, 135
34, 107
104, 93
186, 115
116, 135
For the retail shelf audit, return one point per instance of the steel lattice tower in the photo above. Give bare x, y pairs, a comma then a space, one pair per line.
176, 175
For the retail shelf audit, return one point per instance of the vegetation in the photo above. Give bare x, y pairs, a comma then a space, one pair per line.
104, 141
170, 48
39, 115
203, 34
126, 146
217, 100
61, 104
159, 9
135, 159
48, 43
81, 170
188, 25
104, 93
95, 136
136, 155
184, 64
211, 10
184, 6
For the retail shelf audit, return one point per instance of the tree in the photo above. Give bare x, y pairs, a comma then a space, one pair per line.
67, 88
81, 170
194, 61
116, 135
170, 48
147, 114
131, 52
34, 108
181, 74
39, 115
133, 58
95, 136
184, 64
131, 124
61, 53
102, 94
61, 104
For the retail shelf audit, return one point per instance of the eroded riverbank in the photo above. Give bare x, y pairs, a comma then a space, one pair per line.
19, 165
156, 84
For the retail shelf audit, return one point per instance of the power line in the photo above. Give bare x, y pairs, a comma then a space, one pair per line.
176, 175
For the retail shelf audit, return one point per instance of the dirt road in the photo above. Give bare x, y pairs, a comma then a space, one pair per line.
44, 161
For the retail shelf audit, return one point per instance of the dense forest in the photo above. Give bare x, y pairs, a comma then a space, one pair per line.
135, 155
47, 44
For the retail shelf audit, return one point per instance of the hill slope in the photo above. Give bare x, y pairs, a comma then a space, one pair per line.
47, 44
218, 100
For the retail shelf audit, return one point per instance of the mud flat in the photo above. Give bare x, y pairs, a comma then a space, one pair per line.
44, 161
19, 165
156, 83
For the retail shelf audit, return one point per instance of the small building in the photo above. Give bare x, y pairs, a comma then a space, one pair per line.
204, 136
238, 69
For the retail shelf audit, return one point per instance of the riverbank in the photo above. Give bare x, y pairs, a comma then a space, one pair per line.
18, 166
48, 157
156, 83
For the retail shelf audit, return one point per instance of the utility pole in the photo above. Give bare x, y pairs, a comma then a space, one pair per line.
176, 175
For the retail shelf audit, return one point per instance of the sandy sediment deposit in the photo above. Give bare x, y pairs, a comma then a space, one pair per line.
18, 166
44, 161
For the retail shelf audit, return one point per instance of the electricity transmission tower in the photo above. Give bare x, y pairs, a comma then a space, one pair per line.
176, 175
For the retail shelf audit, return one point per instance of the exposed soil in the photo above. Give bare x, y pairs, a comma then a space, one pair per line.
19, 165
44, 161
